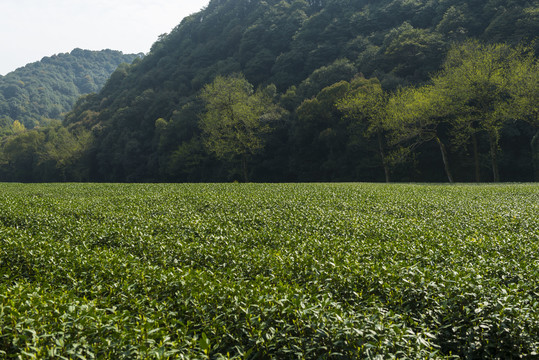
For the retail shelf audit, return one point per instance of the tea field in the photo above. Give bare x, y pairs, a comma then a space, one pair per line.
267, 271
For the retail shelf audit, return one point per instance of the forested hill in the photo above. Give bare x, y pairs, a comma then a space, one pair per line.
47, 89
145, 123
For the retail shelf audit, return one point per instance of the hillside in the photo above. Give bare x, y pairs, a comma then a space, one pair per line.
145, 122
47, 89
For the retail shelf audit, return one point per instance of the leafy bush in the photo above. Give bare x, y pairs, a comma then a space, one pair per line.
269, 271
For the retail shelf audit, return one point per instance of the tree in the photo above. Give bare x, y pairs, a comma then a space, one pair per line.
412, 53
524, 92
483, 92
51, 153
319, 135
236, 118
59, 157
367, 102
21, 154
17, 127
415, 116
455, 22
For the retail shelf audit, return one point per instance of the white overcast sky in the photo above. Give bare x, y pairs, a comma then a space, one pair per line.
32, 29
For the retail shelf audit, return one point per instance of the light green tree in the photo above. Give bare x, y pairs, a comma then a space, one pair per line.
414, 116
17, 127
483, 86
524, 91
236, 118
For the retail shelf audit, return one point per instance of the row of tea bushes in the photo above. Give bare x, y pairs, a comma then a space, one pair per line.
289, 271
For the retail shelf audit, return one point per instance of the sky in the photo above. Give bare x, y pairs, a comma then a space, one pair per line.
33, 29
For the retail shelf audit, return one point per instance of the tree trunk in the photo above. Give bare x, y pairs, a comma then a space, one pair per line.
443, 150
476, 158
494, 157
244, 168
535, 155
383, 156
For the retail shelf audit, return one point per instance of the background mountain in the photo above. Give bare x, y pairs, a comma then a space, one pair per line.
144, 122
47, 89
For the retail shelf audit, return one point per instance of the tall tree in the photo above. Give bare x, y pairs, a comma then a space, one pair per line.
236, 118
524, 92
366, 102
21, 154
476, 80
319, 135
415, 116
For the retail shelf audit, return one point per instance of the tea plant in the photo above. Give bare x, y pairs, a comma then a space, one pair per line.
289, 271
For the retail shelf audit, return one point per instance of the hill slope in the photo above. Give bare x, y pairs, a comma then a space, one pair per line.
144, 123
46, 89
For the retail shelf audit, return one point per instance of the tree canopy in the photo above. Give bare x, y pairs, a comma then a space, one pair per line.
484, 87
47, 89
333, 65
236, 118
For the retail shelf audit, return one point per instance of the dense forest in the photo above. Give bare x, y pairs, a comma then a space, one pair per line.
295, 90
46, 90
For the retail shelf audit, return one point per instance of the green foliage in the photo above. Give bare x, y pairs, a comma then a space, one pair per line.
480, 89
456, 22
50, 153
17, 127
249, 271
303, 47
366, 104
47, 89
340, 70
320, 135
236, 118
415, 114
231, 124
417, 52
487, 85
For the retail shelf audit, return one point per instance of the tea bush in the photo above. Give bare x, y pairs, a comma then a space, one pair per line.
257, 271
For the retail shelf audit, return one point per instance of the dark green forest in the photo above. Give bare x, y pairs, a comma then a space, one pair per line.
46, 90
325, 90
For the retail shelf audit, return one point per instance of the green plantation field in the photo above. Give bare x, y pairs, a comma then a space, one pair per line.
289, 271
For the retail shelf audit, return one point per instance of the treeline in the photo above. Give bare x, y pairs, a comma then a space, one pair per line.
354, 91
47, 89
